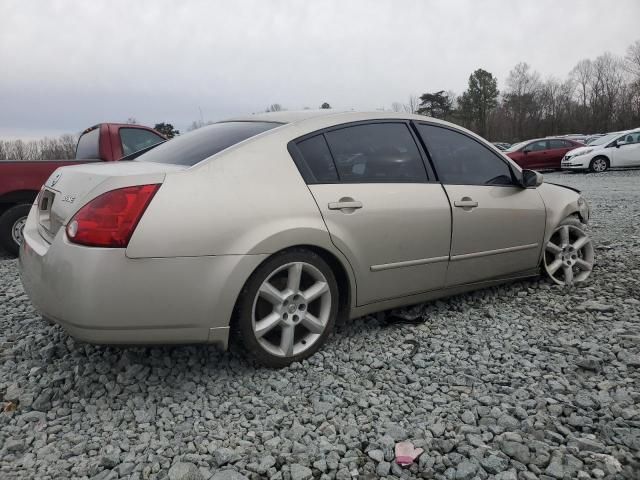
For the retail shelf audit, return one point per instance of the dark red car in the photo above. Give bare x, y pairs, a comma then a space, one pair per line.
541, 154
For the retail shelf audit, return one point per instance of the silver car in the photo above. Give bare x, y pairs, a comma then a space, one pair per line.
266, 228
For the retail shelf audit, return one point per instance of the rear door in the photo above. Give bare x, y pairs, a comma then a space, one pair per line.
383, 210
557, 150
498, 226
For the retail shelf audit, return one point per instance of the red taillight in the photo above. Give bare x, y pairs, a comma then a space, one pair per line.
110, 219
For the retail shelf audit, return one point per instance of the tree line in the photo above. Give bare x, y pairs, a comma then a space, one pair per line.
599, 95
61, 148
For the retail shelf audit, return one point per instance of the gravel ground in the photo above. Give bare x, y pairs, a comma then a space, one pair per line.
524, 381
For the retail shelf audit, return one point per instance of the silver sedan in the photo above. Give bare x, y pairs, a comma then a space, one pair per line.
266, 228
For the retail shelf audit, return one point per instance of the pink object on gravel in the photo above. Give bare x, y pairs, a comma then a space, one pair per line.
406, 453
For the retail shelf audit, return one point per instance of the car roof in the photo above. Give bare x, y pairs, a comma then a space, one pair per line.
294, 117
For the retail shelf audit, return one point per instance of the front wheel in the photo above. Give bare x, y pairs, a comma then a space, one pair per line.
11, 227
599, 165
288, 308
568, 256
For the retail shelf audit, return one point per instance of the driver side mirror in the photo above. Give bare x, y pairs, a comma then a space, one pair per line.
619, 143
531, 179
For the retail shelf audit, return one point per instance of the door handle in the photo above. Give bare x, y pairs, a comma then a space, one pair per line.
466, 203
345, 204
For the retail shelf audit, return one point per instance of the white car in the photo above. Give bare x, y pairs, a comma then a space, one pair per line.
614, 150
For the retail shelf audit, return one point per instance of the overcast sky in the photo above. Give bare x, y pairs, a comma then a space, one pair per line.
67, 65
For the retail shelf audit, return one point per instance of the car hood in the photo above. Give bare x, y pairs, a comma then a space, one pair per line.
563, 186
586, 148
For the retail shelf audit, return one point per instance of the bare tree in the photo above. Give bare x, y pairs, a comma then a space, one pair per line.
632, 60
274, 107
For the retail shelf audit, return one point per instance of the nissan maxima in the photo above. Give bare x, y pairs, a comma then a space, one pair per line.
267, 228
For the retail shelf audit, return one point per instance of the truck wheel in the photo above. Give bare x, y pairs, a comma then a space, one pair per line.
11, 226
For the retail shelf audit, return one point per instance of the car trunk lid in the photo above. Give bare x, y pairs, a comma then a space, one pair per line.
69, 188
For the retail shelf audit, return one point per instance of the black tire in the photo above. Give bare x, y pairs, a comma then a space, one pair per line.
7, 222
594, 165
244, 313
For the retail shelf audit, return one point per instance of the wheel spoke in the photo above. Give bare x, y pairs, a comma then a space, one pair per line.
553, 248
312, 323
564, 235
568, 275
554, 266
581, 242
267, 324
314, 291
293, 278
271, 294
286, 342
583, 265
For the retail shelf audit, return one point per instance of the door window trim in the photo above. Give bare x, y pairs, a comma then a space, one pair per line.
309, 177
514, 177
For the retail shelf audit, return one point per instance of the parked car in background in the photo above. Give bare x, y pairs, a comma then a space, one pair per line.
614, 150
20, 181
593, 138
576, 137
502, 145
272, 220
542, 153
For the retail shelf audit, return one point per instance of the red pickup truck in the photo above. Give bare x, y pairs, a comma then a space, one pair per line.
20, 181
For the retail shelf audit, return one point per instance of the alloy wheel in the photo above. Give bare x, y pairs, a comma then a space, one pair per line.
291, 309
17, 231
568, 256
599, 165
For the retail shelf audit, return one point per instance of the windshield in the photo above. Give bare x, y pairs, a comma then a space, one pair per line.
606, 139
516, 146
195, 146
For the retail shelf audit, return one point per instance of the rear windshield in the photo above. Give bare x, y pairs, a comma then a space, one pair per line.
88, 146
193, 147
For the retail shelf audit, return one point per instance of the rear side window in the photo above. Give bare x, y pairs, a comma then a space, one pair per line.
560, 144
317, 156
461, 160
377, 152
135, 139
195, 146
88, 145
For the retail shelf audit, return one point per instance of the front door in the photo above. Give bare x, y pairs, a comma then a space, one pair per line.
628, 154
382, 210
498, 226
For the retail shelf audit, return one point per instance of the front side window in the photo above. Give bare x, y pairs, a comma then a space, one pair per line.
537, 146
135, 139
461, 160
630, 138
195, 146
377, 152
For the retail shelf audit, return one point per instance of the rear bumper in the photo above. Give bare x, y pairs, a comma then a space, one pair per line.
99, 295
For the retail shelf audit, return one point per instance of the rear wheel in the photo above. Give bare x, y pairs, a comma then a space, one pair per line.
11, 227
288, 308
568, 256
599, 165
